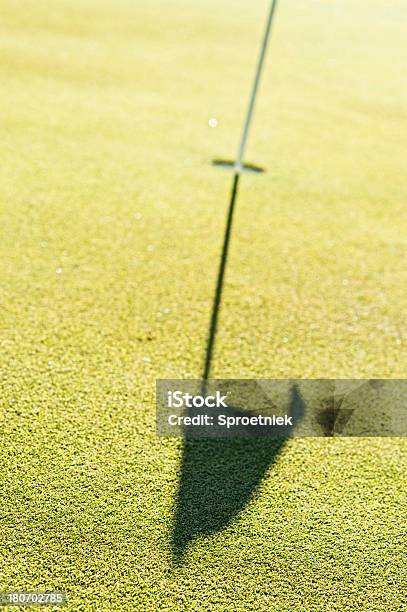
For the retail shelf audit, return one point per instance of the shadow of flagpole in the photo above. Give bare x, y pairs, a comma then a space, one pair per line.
238, 167
219, 285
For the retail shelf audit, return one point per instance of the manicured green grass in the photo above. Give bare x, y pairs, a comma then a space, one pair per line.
111, 224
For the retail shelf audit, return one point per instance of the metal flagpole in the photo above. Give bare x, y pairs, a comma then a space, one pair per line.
238, 167
253, 96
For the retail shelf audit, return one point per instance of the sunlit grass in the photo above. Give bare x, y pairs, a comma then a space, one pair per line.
111, 226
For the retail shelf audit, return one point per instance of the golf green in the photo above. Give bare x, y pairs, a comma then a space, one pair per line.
111, 224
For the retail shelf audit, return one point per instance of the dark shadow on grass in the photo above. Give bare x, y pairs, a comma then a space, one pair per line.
218, 477
217, 299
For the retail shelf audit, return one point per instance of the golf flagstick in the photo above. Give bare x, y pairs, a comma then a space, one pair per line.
238, 168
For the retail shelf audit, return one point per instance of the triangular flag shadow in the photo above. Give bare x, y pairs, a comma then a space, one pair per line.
218, 477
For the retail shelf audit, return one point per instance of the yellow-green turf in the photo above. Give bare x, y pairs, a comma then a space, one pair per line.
111, 226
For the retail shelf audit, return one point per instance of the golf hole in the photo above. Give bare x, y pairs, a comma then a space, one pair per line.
226, 164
